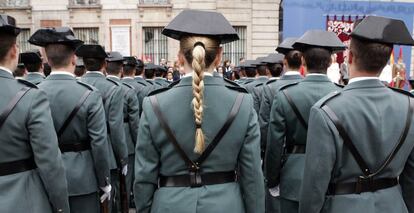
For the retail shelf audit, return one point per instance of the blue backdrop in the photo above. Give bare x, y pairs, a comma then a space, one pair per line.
302, 15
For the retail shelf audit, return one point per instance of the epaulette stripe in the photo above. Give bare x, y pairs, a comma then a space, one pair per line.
131, 87
116, 83
288, 85
85, 85
339, 85
329, 97
271, 81
157, 91
27, 83
402, 91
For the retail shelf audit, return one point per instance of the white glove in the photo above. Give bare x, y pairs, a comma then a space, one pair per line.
275, 192
107, 193
125, 170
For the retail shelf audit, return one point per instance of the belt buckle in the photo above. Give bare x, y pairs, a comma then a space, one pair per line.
195, 177
363, 184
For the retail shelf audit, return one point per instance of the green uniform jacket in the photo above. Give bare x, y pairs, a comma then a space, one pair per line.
29, 132
35, 78
285, 130
86, 170
269, 92
113, 104
239, 149
257, 91
374, 117
131, 115
161, 82
143, 92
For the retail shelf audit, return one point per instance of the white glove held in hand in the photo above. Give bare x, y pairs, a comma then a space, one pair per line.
275, 192
107, 193
125, 170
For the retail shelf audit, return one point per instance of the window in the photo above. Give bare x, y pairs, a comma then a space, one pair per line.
154, 1
88, 35
14, 3
22, 40
84, 2
235, 50
155, 44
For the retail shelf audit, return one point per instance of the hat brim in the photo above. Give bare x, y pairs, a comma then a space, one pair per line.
178, 35
303, 47
15, 31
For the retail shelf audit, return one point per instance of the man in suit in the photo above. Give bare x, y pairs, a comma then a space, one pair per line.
131, 120
79, 121
357, 161
286, 140
32, 60
32, 177
112, 93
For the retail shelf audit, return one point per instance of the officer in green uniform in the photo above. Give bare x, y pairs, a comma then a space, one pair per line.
149, 73
78, 118
139, 75
254, 87
359, 151
291, 65
187, 155
131, 65
250, 71
32, 177
113, 99
131, 121
159, 79
32, 60
286, 142
80, 68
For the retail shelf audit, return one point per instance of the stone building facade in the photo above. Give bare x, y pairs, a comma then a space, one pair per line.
134, 26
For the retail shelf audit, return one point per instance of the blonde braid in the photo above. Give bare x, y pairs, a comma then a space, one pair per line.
199, 66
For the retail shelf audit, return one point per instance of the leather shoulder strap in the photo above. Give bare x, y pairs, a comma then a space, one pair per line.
230, 118
347, 140
295, 109
108, 93
12, 104
73, 113
157, 110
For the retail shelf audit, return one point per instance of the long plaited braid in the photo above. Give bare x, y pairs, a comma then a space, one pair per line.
199, 66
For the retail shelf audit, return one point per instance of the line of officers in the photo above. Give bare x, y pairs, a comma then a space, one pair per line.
317, 156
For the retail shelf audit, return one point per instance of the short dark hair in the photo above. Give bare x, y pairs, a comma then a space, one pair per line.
139, 70
250, 72
130, 70
275, 69
261, 70
46, 69
33, 67
370, 56
317, 59
94, 64
6, 43
114, 68
149, 73
19, 71
159, 72
80, 71
59, 55
294, 59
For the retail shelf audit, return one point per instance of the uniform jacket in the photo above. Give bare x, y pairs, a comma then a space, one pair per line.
374, 117
28, 132
34, 78
257, 91
239, 148
161, 82
131, 114
285, 130
113, 104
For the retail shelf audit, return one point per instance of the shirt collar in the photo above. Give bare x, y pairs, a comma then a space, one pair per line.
95, 72
62, 73
353, 80
36, 73
291, 72
113, 76
128, 78
272, 78
191, 74
317, 74
6, 69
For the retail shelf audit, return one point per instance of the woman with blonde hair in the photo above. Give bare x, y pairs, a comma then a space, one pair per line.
198, 145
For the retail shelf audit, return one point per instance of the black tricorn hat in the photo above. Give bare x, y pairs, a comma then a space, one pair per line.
58, 35
195, 22
91, 51
130, 60
383, 30
248, 64
286, 45
140, 63
114, 56
8, 25
30, 57
150, 66
321, 39
274, 58
258, 61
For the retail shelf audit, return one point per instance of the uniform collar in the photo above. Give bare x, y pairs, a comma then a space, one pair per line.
7, 70
36, 73
113, 76
208, 80
365, 83
353, 80
190, 74
95, 72
62, 73
291, 72
128, 78
317, 77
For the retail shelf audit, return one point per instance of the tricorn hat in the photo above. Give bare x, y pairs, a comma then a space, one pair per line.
150, 66
30, 57
8, 25
58, 35
248, 64
130, 60
286, 45
114, 56
274, 58
195, 22
91, 51
319, 38
140, 63
383, 30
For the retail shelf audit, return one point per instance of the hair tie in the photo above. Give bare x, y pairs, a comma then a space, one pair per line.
198, 126
199, 43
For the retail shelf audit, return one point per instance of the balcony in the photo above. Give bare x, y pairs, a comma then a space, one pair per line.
81, 4
154, 4
15, 5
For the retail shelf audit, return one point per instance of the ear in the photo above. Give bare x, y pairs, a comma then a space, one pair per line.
219, 57
73, 60
181, 60
350, 57
14, 52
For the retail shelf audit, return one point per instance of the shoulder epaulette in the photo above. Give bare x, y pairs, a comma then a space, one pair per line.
110, 80
288, 85
327, 98
142, 84
158, 91
27, 83
174, 83
128, 85
89, 87
271, 81
402, 91
234, 86
339, 85
259, 85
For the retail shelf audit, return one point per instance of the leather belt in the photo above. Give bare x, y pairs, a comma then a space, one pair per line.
198, 180
75, 147
14, 167
297, 149
363, 185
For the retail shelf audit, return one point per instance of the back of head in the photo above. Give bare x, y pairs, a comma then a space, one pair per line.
20, 71
59, 55
130, 70
159, 72
317, 60
275, 69
114, 68
34, 67
294, 59
80, 71
94, 64
250, 72
261, 70
6, 43
370, 56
